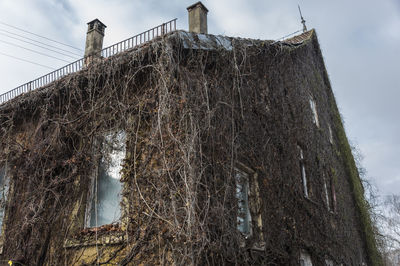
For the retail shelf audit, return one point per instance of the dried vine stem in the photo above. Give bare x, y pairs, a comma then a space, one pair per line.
190, 115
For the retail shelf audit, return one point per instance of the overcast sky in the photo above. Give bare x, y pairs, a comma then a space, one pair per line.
360, 41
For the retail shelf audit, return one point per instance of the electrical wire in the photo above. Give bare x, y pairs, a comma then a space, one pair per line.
19, 46
27, 61
11, 26
49, 45
39, 46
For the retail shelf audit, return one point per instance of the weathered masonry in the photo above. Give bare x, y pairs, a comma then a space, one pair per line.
188, 149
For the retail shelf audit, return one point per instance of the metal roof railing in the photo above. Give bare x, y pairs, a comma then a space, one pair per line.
78, 65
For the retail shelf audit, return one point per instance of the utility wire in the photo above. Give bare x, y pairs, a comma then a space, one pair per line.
8, 25
49, 45
12, 44
31, 43
27, 61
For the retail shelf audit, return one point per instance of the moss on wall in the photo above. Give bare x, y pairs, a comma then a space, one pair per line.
363, 208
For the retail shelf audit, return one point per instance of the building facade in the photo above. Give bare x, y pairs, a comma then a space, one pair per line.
191, 148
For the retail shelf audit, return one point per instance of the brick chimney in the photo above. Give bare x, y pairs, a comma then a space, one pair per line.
198, 18
94, 38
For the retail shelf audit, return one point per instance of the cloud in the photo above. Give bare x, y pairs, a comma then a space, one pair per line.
360, 41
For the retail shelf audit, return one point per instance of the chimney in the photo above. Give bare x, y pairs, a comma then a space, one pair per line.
198, 18
94, 38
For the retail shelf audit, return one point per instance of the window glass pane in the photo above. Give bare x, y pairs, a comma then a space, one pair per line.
242, 196
305, 259
304, 177
329, 262
303, 172
314, 111
105, 207
330, 134
328, 205
3, 193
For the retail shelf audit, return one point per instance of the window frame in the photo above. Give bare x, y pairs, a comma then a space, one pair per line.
255, 208
304, 257
94, 179
313, 106
303, 172
8, 192
244, 182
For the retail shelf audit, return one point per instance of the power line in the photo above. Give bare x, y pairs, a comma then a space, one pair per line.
12, 44
49, 45
8, 25
27, 61
39, 46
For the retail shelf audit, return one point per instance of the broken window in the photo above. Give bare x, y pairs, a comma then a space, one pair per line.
314, 111
105, 193
305, 259
303, 172
242, 196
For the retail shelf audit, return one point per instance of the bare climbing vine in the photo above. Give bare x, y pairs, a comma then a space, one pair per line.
190, 115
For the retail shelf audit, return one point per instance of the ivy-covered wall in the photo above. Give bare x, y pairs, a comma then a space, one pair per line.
194, 109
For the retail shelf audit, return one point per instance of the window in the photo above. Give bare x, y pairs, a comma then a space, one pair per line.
303, 172
4, 185
334, 207
330, 134
330, 194
105, 192
314, 111
305, 259
242, 196
327, 200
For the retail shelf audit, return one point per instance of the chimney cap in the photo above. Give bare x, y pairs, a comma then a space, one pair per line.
198, 4
97, 20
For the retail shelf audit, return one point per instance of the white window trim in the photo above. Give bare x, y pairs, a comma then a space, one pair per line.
313, 107
303, 172
328, 204
305, 259
330, 134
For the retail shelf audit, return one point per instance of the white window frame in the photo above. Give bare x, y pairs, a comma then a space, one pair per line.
305, 259
330, 134
303, 172
328, 202
329, 262
92, 193
313, 107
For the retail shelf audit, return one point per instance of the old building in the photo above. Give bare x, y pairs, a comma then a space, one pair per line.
183, 148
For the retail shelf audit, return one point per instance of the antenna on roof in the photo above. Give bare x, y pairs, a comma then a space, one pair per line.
302, 20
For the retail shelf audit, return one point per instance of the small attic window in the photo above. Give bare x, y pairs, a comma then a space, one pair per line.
105, 193
303, 171
242, 195
313, 107
305, 259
